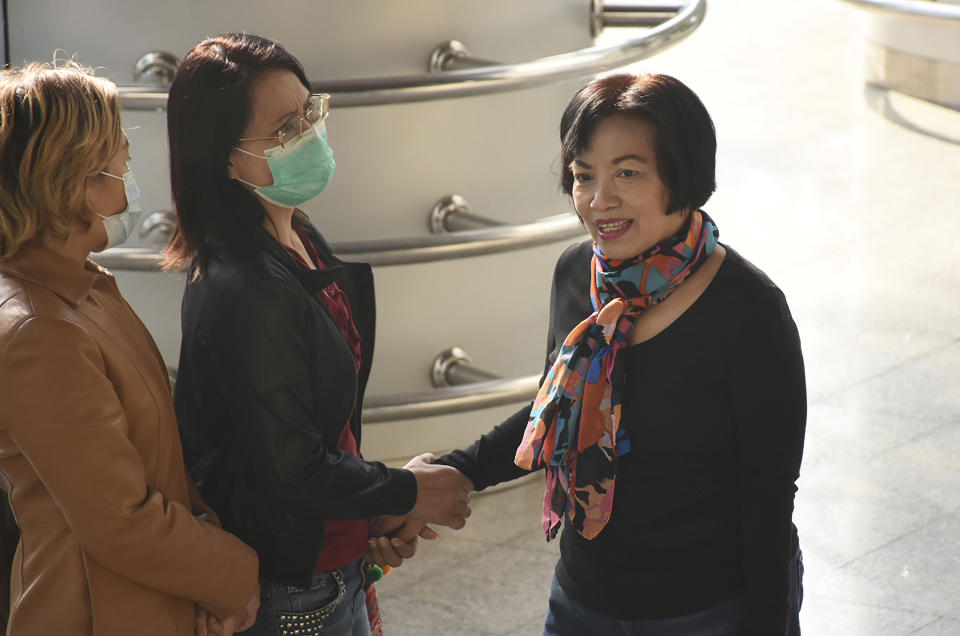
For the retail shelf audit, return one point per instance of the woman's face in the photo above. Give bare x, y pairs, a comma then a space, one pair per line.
617, 188
106, 195
276, 97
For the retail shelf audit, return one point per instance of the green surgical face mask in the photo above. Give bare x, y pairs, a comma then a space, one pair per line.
301, 170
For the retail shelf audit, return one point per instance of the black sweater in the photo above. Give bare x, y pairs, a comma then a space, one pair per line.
716, 407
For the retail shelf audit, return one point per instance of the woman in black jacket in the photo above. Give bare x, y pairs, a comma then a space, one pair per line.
278, 340
670, 420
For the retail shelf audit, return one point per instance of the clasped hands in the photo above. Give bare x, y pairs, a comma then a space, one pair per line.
443, 497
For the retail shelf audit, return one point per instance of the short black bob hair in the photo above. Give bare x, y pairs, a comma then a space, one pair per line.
685, 140
207, 110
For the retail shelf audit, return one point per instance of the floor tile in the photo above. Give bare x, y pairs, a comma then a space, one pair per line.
835, 433
432, 558
500, 519
849, 509
458, 581
499, 591
424, 617
826, 617
939, 627
925, 387
533, 628
928, 466
838, 358
917, 573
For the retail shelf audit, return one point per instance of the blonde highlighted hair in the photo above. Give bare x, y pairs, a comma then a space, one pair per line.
59, 125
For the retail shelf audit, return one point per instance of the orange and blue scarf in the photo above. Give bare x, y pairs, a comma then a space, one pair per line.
574, 428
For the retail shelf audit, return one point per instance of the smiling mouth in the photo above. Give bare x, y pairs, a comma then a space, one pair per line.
613, 226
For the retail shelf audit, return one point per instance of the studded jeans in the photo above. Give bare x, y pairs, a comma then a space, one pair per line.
333, 605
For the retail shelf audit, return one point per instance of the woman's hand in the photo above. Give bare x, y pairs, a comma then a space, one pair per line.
200, 616
218, 627
385, 525
239, 622
412, 528
384, 551
393, 539
443, 492
248, 616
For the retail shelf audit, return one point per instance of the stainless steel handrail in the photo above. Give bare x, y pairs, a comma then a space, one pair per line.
454, 367
453, 213
488, 79
921, 8
462, 393
481, 395
132, 259
464, 388
632, 13
437, 247
402, 251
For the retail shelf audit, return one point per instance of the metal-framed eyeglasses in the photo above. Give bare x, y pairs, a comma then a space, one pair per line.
316, 110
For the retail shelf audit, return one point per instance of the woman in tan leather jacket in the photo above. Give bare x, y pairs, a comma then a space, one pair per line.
115, 539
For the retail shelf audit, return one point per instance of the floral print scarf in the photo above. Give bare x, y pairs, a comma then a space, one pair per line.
574, 428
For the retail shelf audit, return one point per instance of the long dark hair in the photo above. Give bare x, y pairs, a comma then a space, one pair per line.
208, 108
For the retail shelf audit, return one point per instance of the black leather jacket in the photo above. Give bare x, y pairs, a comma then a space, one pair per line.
265, 386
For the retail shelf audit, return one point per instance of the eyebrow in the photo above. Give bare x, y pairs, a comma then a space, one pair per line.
617, 160
292, 113
633, 156
282, 119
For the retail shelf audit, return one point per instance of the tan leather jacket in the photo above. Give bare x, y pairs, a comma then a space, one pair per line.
91, 459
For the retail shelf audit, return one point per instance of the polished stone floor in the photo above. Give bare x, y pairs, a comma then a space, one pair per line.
854, 215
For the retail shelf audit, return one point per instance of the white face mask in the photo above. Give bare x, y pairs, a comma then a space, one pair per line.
120, 226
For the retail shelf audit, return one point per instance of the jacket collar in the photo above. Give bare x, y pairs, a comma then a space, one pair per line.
270, 248
40, 265
313, 280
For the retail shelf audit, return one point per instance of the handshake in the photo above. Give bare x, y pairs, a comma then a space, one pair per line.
443, 497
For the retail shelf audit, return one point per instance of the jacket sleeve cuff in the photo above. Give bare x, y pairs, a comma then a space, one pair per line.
405, 491
463, 461
237, 589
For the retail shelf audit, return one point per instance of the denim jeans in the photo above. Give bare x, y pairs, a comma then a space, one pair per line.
566, 617
334, 605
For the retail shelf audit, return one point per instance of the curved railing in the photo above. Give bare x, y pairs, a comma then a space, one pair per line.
455, 399
402, 251
459, 386
436, 247
493, 77
920, 8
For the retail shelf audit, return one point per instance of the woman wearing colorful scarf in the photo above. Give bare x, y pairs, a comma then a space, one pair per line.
670, 420
277, 345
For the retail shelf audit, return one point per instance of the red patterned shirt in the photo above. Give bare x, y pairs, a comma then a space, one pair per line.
344, 541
